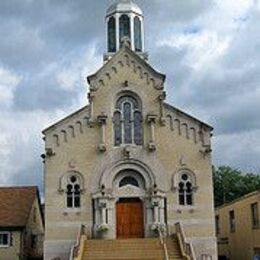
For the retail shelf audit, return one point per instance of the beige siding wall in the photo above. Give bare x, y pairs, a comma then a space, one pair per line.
241, 243
13, 251
34, 227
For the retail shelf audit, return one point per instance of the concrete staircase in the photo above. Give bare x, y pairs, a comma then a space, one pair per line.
129, 249
173, 248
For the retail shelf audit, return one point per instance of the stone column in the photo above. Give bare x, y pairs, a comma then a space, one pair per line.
151, 119
102, 120
117, 32
132, 32
162, 97
91, 105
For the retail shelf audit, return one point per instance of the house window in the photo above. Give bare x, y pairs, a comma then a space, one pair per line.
73, 192
217, 225
4, 239
254, 214
185, 190
232, 222
33, 241
128, 122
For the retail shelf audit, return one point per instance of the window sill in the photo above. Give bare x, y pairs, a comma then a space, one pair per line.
188, 208
75, 210
256, 227
4, 246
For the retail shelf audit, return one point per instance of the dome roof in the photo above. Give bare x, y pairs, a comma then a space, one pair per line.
124, 6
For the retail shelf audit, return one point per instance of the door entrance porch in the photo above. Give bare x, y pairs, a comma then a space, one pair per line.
129, 218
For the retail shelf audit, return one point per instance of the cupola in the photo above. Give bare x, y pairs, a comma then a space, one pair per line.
125, 22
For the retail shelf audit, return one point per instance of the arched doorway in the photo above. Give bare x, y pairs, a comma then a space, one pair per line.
130, 187
129, 218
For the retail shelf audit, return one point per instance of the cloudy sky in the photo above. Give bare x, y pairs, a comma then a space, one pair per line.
209, 49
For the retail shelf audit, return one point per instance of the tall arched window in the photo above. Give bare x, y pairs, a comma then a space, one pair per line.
128, 122
111, 32
138, 34
124, 26
73, 192
185, 190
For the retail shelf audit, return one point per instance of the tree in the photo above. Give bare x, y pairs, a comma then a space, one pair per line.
230, 184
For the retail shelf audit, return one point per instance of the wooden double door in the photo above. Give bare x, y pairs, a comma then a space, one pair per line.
129, 218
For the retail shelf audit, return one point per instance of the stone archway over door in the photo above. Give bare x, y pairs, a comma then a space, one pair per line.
129, 218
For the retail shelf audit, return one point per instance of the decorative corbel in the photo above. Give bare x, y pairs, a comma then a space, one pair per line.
127, 152
161, 98
206, 149
151, 119
48, 153
91, 112
102, 120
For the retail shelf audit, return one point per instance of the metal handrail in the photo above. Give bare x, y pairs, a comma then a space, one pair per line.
75, 249
163, 243
187, 246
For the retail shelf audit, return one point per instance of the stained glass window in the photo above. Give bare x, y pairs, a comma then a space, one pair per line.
138, 34
111, 32
128, 122
124, 26
117, 128
138, 130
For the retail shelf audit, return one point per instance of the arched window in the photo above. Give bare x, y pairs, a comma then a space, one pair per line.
138, 34
185, 190
128, 122
128, 180
124, 26
111, 32
73, 192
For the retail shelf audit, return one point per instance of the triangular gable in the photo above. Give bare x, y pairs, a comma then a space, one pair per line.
126, 57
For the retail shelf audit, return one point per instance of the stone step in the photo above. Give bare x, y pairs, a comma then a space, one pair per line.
130, 249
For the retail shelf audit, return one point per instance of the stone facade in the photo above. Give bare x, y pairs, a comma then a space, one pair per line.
243, 240
83, 145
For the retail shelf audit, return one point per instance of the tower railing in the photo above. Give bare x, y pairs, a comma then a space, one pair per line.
186, 247
77, 250
162, 238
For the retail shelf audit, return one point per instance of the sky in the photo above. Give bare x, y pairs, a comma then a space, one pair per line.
209, 50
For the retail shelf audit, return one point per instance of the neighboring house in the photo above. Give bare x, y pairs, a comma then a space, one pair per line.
21, 224
128, 162
238, 228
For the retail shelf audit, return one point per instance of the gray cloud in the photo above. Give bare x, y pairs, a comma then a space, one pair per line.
209, 52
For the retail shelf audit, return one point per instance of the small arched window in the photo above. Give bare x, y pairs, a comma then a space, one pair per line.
73, 191
138, 34
128, 180
111, 32
124, 26
128, 122
185, 190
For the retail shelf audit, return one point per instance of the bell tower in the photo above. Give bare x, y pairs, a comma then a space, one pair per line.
124, 22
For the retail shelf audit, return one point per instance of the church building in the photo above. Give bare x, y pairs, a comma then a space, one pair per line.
128, 165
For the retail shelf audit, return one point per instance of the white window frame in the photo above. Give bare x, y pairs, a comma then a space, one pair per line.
9, 239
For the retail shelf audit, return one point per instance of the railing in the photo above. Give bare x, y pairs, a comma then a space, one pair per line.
163, 243
186, 247
76, 252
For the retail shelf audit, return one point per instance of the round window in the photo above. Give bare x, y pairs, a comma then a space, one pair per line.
73, 179
184, 177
